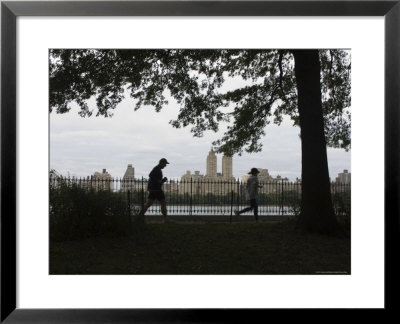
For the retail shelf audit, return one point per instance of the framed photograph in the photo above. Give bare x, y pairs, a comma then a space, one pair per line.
41, 282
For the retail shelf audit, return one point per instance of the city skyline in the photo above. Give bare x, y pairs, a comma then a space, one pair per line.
81, 146
129, 173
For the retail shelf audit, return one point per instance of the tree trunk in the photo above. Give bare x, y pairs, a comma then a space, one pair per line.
317, 214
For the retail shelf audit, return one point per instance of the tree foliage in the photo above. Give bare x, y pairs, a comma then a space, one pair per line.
265, 89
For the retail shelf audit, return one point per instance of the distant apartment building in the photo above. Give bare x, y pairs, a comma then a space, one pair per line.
102, 181
211, 165
191, 183
227, 172
344, 177
128, 180
213, 182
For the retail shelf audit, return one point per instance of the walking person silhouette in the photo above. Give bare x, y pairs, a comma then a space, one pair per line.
154, 187
251, 193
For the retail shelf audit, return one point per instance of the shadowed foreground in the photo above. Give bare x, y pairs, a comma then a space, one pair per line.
211, 248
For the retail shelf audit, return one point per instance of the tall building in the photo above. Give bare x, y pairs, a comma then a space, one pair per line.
211, 164
227, 167
213, 182
128, 180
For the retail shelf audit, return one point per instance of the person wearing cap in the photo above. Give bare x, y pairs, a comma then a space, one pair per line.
154, 187
251, 193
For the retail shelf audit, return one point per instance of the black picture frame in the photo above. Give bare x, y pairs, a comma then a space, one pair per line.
10, 10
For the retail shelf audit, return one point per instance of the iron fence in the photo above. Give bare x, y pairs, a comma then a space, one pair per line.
209, 197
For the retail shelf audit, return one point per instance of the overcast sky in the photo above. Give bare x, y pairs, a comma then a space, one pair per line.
81, 146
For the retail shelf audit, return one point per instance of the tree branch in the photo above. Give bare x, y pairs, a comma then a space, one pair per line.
280, 70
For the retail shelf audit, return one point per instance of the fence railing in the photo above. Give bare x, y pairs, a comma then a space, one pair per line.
209, 197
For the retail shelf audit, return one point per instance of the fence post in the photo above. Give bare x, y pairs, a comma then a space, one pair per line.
238, 193
129, 209
281, 198
191, 196
230, 219
142, 195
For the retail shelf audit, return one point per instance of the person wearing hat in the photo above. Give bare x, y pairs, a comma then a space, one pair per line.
251, 193
154, 187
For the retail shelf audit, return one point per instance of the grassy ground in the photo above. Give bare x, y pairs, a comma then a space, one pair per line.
210, 248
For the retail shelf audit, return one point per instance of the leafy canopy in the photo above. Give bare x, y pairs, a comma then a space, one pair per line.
199, 81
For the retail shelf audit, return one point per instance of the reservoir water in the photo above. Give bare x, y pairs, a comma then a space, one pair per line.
224, 210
